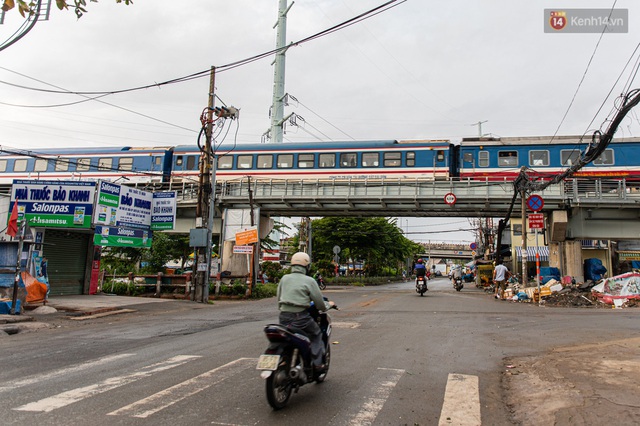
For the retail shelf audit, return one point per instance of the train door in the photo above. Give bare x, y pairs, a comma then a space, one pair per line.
468, 161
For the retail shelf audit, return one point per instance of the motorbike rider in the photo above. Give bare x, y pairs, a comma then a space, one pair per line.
296, 291
420, 270
456, 273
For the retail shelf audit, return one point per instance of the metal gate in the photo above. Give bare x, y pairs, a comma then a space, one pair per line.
66, 254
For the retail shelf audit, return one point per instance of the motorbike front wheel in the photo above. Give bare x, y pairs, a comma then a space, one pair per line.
279, 387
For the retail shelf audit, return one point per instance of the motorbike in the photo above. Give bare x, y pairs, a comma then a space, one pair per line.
321, 282
457, 284
421, 285
286, 363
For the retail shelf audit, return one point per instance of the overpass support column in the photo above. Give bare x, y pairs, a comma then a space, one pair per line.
573, 260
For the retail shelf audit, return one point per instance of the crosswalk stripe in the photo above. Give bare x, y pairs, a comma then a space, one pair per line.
39, 378
461, 401
74, 395
163, 399
379, 387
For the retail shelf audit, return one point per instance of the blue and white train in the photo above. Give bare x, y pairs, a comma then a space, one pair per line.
472, 158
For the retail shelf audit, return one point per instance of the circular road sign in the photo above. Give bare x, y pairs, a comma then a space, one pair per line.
450, 198
535, 202
473, 246
336, 249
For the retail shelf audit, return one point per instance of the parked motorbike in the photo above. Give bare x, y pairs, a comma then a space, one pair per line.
457, 284
286, 363
421, 285
321, 282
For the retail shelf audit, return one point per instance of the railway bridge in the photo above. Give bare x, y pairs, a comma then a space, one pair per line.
594, 209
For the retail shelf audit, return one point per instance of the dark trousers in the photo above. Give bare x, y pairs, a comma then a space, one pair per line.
304, 322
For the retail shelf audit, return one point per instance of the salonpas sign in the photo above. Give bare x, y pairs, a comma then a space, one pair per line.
54, 204
110, 236
121, 206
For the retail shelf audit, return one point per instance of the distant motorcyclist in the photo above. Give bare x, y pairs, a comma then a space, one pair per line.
456, 273
295, 293
420, 270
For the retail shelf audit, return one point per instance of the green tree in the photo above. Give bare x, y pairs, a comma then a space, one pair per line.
164, 248
31, 7
377, 242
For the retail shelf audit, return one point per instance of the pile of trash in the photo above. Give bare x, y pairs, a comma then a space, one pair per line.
572, 297
619, 291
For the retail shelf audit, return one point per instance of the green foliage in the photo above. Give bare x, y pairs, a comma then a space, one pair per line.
30, 8
263, 291
164, 248
122, 288
376, 242
273, 270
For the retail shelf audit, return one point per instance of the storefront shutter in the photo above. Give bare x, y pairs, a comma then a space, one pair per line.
66, 254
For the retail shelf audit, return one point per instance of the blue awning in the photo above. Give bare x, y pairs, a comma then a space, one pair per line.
543, 251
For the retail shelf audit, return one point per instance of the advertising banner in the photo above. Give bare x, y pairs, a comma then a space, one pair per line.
122, 206
163, 211
111, 236
54, 204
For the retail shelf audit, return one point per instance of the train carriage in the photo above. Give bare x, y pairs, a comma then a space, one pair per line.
127, 164
424, 159
503, 158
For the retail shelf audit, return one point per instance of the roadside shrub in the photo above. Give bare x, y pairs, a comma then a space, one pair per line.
263, 291
122, 288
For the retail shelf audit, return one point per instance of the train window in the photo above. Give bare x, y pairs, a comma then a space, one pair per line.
245, 161
125, 163
285, 161
265, 161
392, 159
62, 165
370, 159
40, 165
568, 157
192, 164
440, 155
538, 158
3, 165
83, 164
179, 160
305, 161
467, 157
20, 165
507, 158
483, 158
327, 160
348, 159
105, 163
411, 159
157, 160
605, 159
225, 162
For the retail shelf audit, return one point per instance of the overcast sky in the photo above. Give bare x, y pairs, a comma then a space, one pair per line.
422, 70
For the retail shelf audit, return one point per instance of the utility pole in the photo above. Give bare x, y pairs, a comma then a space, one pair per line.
277, 106
206, 199
523, 246
479, 124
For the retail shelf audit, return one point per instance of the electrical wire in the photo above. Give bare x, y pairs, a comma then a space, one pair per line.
226, 67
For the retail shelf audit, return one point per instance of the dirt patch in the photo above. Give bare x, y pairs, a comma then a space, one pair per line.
576, 298
578, 385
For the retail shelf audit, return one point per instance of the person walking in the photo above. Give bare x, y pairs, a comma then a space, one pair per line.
500, 276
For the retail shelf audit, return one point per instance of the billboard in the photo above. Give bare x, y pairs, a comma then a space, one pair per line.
122, 206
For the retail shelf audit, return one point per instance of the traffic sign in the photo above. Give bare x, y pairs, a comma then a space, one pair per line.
473, 246
450, 198
536, 221
535, 202
243, 249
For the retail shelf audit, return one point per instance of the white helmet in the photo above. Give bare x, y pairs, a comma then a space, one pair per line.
301, 259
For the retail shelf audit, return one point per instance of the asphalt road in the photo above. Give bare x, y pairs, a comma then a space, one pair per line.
397, 359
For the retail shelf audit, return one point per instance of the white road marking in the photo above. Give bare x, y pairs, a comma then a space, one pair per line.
461, 401
163, 399
39, 378
65, 398
379, 387
345, 324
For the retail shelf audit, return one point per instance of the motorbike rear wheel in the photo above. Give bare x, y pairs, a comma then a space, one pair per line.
279, 387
